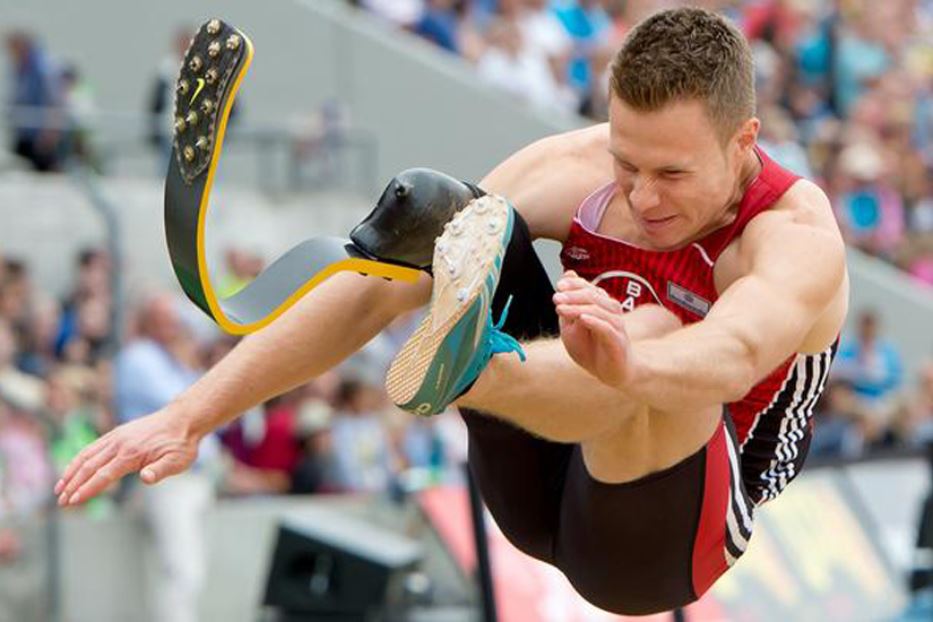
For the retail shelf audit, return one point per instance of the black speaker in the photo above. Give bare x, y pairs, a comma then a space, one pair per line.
330, 566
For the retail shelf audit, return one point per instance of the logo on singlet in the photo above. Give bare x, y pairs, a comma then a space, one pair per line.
577, 253
628, 288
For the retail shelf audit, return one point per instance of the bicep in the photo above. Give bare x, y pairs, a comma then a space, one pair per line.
546, 181
794, 278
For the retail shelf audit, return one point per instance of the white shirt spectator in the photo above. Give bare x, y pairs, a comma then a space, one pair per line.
542, 32
513, 66
401, 12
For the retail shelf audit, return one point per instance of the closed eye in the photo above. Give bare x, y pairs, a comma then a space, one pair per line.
626, 166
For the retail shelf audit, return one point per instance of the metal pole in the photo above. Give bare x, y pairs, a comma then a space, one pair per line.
112, 226
483, 566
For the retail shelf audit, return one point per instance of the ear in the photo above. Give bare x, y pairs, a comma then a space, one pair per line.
747, 135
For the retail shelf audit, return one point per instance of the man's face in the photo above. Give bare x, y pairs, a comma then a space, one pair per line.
673, 169
161, 322
868, 328
7, 344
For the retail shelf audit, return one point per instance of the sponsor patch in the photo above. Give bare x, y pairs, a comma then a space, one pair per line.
687, 299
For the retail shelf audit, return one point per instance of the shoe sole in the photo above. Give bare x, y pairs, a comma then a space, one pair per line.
472, 246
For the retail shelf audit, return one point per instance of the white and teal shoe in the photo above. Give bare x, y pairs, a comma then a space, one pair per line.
455, 341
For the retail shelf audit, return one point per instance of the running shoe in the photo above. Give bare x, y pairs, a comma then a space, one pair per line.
458, 337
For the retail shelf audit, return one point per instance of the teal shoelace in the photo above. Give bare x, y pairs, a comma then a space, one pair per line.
501, 342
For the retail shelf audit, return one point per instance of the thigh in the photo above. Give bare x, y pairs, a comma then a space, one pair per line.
520, 476
658, 542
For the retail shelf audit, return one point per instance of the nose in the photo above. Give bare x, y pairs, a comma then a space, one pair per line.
644, 195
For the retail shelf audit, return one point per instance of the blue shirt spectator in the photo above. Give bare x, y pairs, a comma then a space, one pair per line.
149, 373
36, 99
439, 23
588, 25
869, 364
147, 379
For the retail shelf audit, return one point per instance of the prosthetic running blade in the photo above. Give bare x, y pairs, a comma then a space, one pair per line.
210, 76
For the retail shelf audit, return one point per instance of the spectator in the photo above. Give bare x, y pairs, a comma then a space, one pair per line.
779, 138
404, 13
36, 102
85, 329
440, 24
835, 432
589, 26
315, 471
78, 108
266, 446
75, 417
241, 267
509, 65
869, 210
916, 427
871, 366
361, 444
157, 365
22, 391
27, 475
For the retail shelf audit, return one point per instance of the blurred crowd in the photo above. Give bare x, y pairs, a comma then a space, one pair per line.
844, 89
870, 404
67, 376
50, 106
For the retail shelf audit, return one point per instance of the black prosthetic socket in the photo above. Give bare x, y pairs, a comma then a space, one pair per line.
410, 215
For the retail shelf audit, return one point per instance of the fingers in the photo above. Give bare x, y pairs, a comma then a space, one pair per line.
169, 464
575, 312
594, 295
82, 468
77, 462
98, 482
572, 282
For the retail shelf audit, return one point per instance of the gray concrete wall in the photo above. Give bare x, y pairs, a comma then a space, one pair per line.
425, 107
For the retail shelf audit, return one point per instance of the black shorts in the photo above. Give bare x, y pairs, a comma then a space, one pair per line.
635, 548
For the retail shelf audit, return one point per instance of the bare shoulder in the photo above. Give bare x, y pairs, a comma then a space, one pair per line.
802, 217
547, 180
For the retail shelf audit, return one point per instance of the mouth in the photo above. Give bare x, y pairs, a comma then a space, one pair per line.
656, 224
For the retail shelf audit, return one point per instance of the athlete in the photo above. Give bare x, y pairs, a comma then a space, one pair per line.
626, 427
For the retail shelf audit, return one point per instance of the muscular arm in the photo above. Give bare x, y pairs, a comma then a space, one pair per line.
796, 272
328, 324
548, 179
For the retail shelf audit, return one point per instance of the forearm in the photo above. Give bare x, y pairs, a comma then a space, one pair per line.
550, 395
328, 324
690, 368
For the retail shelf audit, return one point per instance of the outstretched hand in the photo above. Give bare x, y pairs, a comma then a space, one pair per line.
592, 329
156, 446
